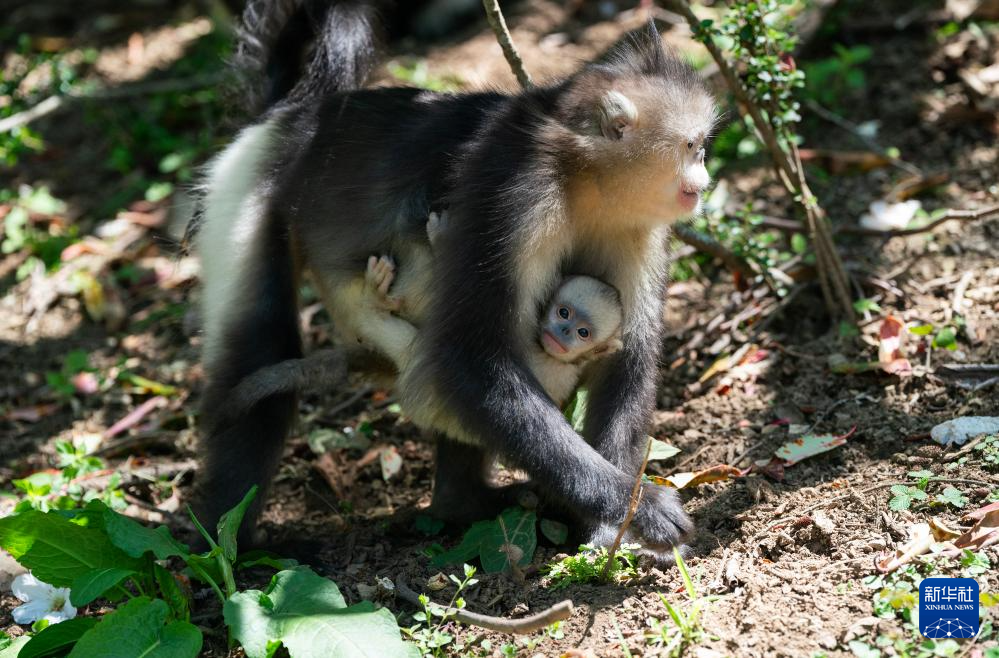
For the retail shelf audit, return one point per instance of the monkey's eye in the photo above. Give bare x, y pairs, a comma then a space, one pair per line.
563, 312
583, 332
690, 145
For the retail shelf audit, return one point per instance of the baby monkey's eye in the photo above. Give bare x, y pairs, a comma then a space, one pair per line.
690, 145
563, 312
584, 333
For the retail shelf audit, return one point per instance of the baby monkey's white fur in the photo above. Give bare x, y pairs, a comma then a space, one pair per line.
391, 322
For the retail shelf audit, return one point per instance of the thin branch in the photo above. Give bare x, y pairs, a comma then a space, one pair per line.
498, 23
971, 215
855, 130
55, 103
794, 226
523, 626
636, 496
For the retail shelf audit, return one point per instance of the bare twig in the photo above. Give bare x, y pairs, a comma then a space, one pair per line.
55, 103
498, 23
981, 213
855, 130
636, 496
558, 612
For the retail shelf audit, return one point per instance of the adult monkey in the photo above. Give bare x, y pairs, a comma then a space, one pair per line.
581, 177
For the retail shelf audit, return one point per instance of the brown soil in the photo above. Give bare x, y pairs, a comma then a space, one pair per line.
785, 559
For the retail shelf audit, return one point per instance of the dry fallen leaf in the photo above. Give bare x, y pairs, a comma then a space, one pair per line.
391, 462
890, 354
689, 480
809, 445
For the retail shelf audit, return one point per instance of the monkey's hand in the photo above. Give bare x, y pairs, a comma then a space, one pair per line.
436, 223
378, 280
659, 524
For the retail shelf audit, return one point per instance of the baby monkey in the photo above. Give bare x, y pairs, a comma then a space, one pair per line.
582, 322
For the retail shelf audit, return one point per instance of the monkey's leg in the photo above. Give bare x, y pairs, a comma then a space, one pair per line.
254, 332
462, 493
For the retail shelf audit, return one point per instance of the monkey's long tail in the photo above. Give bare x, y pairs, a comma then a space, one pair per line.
293, 49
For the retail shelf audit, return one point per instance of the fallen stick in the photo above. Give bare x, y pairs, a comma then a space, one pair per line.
558, 612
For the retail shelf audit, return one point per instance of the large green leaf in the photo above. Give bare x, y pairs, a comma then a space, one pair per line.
308, 615
59, 551
137, 629
91, 585
508, 539
512, 541
56, 639
229, 524
136, 539
469, 547
170, 590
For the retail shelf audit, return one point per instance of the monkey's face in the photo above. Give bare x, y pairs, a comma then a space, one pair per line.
582, 319
646, 155
568, 332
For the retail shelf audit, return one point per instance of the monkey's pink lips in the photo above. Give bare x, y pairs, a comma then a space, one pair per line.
551, 344
688, 198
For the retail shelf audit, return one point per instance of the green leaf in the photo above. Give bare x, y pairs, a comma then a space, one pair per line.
137, 629
93, 584
428, 525
945, 339
799, 243
176, 599
136, 539
952, 496
307, 614
259, 558
921, 330
575, 411
468, 549
487, 540
899, 503
496, 554
59, 551
229, 524
556, 532
864, 305
662, 450
57, 638
13, 649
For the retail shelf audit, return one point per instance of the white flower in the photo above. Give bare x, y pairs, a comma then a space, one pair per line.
41, 601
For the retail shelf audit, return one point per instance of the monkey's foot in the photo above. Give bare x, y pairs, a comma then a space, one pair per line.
379, 278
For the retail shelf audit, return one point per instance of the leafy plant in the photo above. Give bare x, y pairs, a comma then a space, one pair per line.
62, 490
587, 566
429, 634
307, 615
100, 554
502, 544
832, 80
686, 629
953, 497
903, 496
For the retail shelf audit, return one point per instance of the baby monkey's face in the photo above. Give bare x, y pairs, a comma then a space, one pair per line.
583, 319
568, 332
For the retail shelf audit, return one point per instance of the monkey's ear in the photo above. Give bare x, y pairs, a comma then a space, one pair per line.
618, 115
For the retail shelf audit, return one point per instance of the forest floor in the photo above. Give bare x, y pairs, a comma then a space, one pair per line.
106, 330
